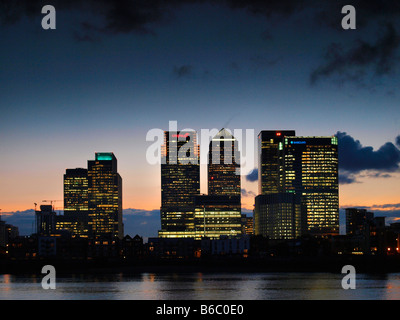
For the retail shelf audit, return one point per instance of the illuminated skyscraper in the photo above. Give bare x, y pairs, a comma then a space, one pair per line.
270, 161
223, 165
76, 190
306, 167
105, 196
180, 182
311, 170
76, 208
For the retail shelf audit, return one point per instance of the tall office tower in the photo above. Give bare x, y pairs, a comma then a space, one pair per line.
45, 221
311, 170
76, 190
358, 221
278, 215
224, 165
105, 196
180, 182
275, 215
75, 218
270, 163
217, 215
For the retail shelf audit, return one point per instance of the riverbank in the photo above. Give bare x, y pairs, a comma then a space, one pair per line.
363, 264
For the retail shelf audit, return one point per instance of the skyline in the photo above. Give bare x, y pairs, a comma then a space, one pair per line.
100, 83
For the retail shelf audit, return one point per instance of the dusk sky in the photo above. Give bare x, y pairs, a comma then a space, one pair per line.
112, 71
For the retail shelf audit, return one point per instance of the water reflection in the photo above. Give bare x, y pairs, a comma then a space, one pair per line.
201, 286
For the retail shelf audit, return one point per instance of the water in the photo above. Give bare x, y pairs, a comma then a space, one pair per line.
199, 286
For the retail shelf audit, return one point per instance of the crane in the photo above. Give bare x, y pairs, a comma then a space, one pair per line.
51, 202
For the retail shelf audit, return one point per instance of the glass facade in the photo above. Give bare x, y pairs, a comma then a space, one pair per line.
180, 182
76, 207
270, 162
278, 215
217, 215
105, 196
223, 165
311, 170
306, 167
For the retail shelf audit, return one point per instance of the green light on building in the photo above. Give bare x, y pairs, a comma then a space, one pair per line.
103, 156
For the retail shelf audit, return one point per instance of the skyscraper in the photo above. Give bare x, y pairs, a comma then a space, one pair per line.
180, 182
311, 170
270, 161
276, 215
223, 165
76, 207
306, 167
105, 196
76, 190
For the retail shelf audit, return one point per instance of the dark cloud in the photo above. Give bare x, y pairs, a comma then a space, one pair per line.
398, 141
142, 16
352, 64
354, 158
246, 193
123, 16
183, 71
253, 175
346, 177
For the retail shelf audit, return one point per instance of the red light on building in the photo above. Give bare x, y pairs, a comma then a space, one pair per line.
278, 133
180, 135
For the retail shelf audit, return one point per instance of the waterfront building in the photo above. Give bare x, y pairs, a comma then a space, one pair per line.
180, 183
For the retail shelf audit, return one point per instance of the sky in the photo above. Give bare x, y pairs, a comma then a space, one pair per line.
112, 71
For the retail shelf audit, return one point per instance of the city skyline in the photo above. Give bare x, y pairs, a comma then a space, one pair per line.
100, 83
155, 214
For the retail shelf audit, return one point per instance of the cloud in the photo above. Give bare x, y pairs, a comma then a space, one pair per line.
351, 65
252, 175
246, 193
398, 141
354, 157
356, 160
24, 220
183, 71
346, 177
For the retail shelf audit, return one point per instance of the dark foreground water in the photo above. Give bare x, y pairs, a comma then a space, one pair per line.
200, 286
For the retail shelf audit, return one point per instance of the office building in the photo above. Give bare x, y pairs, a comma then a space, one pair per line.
358, 221
180, 183
76, 203
270, 160
311, 170
247, 225
105, 196
217, 215
45, 221
306, 167
278, 215
224, 165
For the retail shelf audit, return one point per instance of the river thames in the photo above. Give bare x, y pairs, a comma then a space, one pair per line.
202, 286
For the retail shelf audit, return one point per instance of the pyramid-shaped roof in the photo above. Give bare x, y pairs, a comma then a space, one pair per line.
224, 135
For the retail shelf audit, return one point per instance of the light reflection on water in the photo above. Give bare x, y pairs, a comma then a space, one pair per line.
203, 286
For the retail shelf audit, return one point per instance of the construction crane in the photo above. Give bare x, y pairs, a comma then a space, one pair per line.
51, 202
